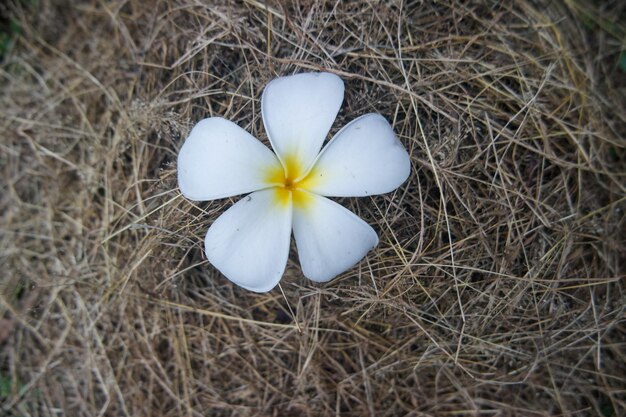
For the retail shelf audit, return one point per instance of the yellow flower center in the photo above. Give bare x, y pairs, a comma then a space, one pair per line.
290, 182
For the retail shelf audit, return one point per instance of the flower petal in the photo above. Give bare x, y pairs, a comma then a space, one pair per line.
219, 159
364, 158
249, 243
329, 237
298, 112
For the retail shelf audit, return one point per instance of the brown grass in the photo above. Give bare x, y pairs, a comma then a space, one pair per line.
497, 288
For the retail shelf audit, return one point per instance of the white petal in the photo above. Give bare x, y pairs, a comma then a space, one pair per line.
219, 159
249, 243
364, 158
298, 112
330, 238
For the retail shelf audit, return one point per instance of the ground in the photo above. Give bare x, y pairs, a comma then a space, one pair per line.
497, 288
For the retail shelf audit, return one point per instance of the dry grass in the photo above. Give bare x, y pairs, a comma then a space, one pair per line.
497, 288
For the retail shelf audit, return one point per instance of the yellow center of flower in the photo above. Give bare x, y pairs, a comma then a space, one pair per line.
290, 182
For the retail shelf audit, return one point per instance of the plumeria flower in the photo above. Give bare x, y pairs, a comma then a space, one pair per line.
250, 242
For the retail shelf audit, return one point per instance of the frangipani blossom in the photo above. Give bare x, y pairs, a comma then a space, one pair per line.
250, 242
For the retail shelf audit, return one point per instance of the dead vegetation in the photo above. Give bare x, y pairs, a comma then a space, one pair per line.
497, 287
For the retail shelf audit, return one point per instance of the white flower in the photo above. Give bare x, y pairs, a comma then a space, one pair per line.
249, 243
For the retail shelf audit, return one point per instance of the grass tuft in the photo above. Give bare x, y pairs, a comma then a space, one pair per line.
498, 284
